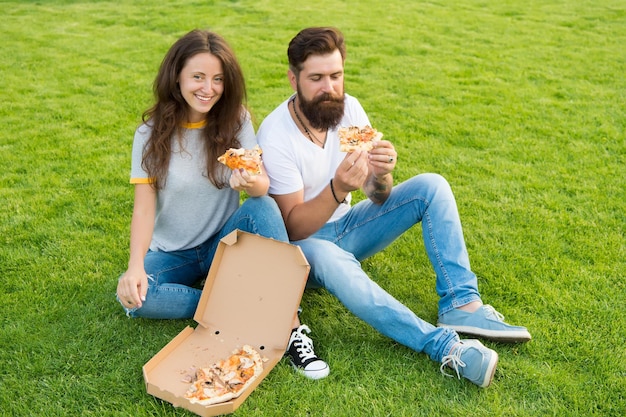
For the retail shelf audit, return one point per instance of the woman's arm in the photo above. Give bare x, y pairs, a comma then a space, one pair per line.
133, 285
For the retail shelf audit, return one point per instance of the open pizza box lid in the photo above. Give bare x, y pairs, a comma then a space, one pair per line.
250, 297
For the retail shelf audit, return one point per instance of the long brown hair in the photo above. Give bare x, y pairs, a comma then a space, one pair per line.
169, 113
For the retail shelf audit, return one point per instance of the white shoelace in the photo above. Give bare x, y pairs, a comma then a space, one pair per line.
303, 343
453, 361
492, 312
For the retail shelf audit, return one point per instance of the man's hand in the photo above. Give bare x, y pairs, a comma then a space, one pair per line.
382, 161
351, 173
382, 158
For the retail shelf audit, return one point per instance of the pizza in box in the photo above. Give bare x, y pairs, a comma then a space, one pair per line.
225, 379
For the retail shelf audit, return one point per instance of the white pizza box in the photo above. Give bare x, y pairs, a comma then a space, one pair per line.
250, 297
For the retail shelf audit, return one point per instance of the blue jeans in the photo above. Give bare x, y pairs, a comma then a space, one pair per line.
171, 275
335, 252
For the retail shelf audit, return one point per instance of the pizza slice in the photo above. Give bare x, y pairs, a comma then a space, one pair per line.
208, 389
354, 138
241, 369
247, 159
227, 378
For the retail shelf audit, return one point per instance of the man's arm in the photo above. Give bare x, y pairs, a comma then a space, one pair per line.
304, 218
377, 188
382, 161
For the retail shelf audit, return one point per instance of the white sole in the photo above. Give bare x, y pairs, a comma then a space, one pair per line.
495, 335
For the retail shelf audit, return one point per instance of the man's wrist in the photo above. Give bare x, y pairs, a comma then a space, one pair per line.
332, 190
382, 178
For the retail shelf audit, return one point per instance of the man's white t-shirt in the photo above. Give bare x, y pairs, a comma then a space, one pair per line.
295, 163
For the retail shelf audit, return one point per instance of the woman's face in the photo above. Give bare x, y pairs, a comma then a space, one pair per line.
201, 83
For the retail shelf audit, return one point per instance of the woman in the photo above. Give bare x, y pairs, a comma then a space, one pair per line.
185, 200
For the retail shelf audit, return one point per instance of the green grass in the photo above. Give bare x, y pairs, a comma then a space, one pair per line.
519, 104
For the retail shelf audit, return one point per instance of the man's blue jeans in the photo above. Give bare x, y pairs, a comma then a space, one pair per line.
335, 252
171, 275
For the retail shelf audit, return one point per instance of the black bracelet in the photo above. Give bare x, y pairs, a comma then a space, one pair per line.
332, 189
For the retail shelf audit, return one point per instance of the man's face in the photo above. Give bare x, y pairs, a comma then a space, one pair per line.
320, 90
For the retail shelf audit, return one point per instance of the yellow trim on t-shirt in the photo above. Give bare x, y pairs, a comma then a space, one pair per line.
141, 181
195, 125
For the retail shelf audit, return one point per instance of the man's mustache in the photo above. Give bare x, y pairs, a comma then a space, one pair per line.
328, 97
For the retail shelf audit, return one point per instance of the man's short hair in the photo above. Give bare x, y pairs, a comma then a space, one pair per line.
314, 41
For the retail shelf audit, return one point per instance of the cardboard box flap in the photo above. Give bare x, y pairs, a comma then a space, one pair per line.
251, 296
253, 290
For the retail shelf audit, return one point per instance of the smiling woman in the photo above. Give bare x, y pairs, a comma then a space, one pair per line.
198, 114
199, 66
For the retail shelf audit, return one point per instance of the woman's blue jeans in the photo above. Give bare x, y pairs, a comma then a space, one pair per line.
335, 252
171, 275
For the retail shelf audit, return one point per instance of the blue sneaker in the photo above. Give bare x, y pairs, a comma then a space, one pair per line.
471, 360
485, 322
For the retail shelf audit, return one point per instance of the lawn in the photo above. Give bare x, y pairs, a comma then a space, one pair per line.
521, 105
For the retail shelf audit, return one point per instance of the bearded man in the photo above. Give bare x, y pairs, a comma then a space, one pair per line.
312, 180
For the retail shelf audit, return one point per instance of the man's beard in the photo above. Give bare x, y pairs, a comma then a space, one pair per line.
323, 112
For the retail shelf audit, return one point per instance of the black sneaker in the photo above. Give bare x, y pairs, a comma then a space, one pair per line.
302, 356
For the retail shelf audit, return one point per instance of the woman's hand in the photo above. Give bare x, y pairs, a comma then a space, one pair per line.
241, 180
254, 185
132, 288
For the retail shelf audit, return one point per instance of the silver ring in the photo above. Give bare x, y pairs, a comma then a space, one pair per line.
390, 159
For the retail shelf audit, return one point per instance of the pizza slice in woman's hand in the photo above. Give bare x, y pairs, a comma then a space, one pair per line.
246, 159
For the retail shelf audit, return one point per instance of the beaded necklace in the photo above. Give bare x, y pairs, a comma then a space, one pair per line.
310, 134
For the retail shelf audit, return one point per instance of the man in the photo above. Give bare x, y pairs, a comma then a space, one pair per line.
311, 180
